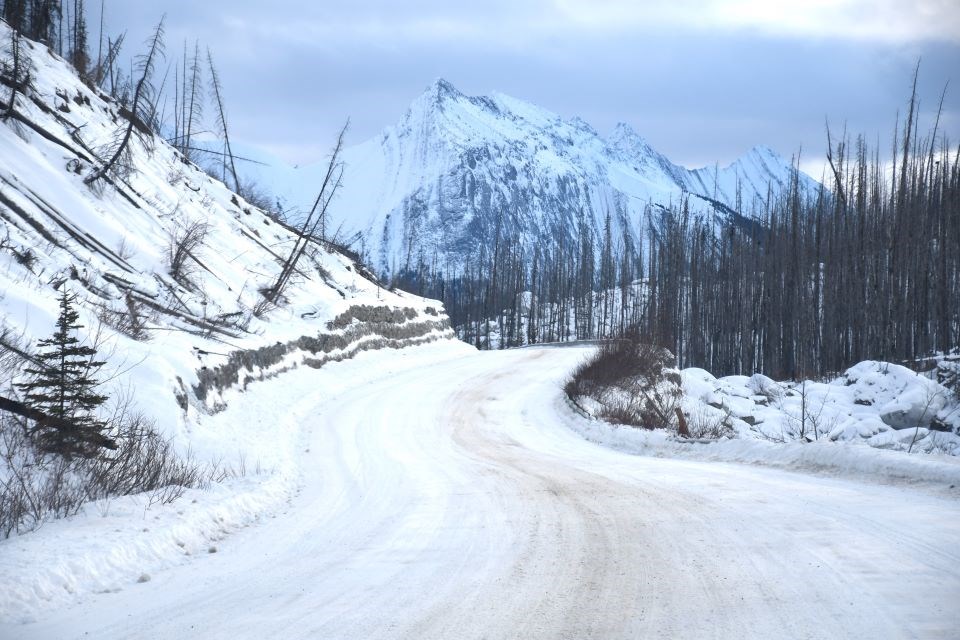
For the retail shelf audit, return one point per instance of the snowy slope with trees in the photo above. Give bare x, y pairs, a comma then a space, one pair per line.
187, 293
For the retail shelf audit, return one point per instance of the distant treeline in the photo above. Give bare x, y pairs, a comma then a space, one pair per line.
868, 269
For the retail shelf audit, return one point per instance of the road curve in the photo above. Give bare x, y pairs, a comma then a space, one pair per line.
454, 502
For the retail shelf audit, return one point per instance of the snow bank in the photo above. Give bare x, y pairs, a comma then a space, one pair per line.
883, 405
848, 459
114, 544
861, 423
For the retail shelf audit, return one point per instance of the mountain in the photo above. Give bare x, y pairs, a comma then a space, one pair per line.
438, 184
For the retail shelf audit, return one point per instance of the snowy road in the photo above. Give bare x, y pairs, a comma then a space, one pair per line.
455, 502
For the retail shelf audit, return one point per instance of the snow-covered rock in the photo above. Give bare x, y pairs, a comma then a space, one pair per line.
879, 404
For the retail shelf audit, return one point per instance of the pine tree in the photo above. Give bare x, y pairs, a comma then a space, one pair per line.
62, 389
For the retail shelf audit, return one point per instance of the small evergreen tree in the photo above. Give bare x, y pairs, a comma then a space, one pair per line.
62, 389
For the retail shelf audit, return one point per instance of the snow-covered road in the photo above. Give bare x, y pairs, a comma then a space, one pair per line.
455, 502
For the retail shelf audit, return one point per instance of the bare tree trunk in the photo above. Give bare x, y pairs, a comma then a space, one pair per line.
141, 95
222, 120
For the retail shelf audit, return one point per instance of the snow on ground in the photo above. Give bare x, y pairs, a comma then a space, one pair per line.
883, 405
111, 246
454, 497
829, 458
116, 543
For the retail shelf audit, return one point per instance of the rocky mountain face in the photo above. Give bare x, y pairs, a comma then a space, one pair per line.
457, 170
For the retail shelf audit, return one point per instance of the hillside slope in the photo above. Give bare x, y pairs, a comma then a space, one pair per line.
113, 244
185, 339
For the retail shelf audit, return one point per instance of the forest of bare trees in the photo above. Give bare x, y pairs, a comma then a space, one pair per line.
868, 269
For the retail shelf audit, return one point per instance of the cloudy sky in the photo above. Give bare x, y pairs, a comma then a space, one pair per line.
702, 80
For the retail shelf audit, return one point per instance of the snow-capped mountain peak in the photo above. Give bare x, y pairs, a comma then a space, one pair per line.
433, 184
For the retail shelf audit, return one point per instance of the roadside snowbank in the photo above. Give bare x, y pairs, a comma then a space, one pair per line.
114, 544
860, 424
848, 459
883, 405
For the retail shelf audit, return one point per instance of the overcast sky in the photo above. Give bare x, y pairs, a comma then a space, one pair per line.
703, 81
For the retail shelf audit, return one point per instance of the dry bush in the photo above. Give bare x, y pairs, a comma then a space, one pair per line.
184, 242
129, 319
262, 199
706, 423
632, 380
36, 486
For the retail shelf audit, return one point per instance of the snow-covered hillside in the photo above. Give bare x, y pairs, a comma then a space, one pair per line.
183, 339
441, 181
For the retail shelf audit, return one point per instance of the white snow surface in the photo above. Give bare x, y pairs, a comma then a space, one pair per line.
448, 492
879, 404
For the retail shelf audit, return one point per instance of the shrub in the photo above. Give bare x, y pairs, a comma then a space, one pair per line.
184, 242
632, 380
36, 486
127, 318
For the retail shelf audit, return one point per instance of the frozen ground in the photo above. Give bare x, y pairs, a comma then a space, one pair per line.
452, 494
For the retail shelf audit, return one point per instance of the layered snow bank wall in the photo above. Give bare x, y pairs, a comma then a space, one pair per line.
359, 328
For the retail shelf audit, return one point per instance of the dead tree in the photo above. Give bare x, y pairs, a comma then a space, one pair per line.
194, 109
19, 72
105, 63
141, 108
217, 90
317, 216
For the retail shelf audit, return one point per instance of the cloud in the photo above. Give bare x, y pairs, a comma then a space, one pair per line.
893, 21
703, 81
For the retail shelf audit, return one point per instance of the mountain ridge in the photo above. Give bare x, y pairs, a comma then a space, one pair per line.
433, 186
